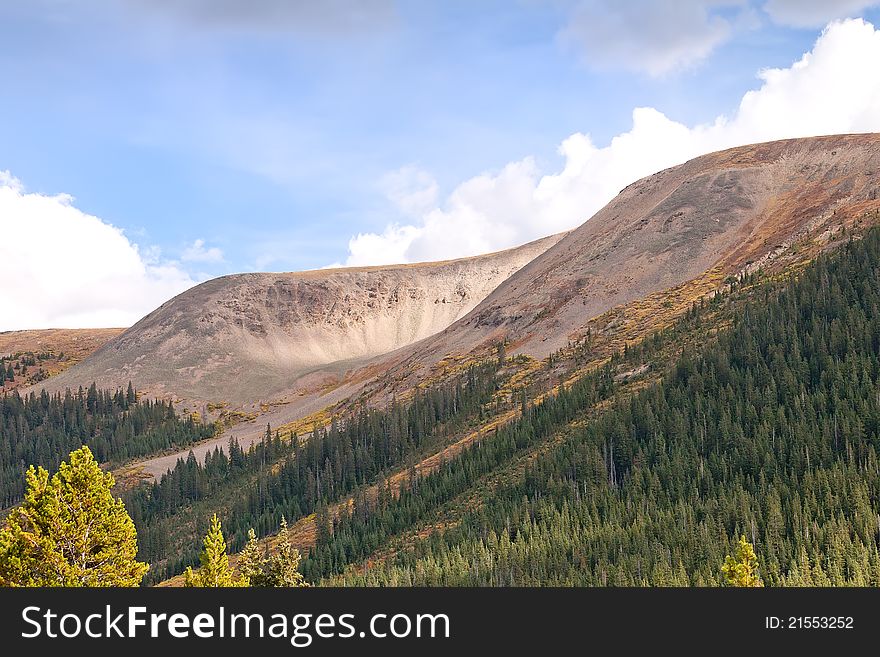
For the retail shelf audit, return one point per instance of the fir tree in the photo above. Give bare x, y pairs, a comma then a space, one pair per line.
41, 429
741, 569
70, 531
250, 561
215, 570
278, 570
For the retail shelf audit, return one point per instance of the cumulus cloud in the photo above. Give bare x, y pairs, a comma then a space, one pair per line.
413, 192
197, 252
814, 13
389, 248
833, 88
61, 267
650, 36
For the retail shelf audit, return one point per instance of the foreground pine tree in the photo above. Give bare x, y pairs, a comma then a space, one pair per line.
215, 570
70, 531
277, 570
741, 569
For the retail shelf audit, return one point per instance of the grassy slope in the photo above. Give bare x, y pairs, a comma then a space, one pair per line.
65, 347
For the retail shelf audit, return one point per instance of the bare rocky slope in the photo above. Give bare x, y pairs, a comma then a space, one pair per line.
724, 211
248, 339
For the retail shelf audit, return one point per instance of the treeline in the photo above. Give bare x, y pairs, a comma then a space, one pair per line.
41, 429
287, 477
772, 432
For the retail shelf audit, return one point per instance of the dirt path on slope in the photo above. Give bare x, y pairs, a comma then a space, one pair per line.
246, 433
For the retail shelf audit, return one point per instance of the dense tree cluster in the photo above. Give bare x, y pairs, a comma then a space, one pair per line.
770, 432
41, 429
286, 477
71, 531
367, 527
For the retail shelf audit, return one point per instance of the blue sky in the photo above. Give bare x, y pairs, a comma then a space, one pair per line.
224, 136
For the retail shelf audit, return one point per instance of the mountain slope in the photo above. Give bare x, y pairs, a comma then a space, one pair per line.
767, 428
248, 338
310, 340
53, 351
725, 211
644, 470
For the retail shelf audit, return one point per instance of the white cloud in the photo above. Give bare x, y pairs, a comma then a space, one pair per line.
814, 13
413, 192
386, 249
411, 189
60, 267
650, 36
832, 89
198, 253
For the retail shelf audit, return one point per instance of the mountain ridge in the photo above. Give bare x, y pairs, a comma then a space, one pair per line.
724, 213
246, 339
730, 209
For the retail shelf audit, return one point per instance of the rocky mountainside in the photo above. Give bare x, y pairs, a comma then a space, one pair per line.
289, 345
251, 338
724, 211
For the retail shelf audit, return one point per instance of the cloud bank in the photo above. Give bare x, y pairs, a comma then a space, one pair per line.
834, 88
63, 268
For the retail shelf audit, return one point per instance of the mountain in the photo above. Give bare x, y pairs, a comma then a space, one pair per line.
755, 413
291, 345
764, 423
688, 367
251, 338
721, 213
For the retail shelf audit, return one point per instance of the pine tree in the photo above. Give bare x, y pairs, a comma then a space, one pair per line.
278, 570
215, 570
70, 531
92, 398
250, 561
742, 568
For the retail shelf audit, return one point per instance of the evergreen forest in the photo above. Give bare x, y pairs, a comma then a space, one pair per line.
751, 426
